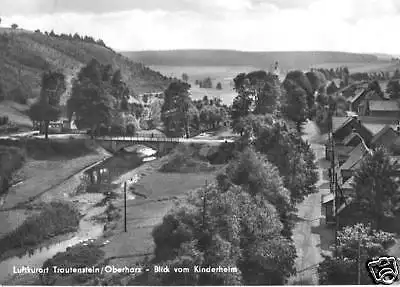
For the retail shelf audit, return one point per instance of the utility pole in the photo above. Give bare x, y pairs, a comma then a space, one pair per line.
125, 206
358, 259
204, 205
333, 187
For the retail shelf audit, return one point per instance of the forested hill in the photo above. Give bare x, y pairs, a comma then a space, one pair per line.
287, 60
24, 55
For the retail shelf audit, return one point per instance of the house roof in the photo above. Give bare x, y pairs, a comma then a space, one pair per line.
327, 198
355, 157
343, 150
389, 106
340, 122
348, 139
377, 120
356, 96
382, 132
348, 201
376, 128
349, 183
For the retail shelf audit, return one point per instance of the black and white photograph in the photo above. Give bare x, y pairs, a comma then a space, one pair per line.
199, 142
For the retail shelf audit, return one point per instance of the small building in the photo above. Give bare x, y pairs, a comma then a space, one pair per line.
347, 169
359, 101
383, 108
327, 208
347, 188
386, 138
345, 126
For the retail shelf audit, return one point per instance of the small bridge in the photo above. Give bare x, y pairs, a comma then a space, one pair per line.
161, 144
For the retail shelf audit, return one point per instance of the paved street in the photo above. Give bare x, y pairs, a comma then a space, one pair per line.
310, 234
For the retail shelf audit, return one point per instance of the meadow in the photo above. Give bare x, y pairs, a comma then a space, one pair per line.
222, 74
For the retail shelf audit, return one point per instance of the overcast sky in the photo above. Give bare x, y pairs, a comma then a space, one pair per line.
365, 26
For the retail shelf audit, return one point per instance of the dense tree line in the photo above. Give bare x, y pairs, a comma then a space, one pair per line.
75, 37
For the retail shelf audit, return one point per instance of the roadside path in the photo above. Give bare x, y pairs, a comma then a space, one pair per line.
310, 234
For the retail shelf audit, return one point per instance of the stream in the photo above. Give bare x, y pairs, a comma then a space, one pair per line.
107, 171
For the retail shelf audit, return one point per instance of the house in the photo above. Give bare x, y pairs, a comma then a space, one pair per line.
375, 124
359, 102
342, 128
327, 207
383, 108
347, 187
386, 137
347, 169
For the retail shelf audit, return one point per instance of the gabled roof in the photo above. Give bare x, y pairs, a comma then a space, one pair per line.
348, 139
348, 183
383, 105
373, 128
355, 157
326, 198
382, 132
357, 95
340, 122
377, 120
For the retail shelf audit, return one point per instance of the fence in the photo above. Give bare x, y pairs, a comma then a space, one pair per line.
137, 138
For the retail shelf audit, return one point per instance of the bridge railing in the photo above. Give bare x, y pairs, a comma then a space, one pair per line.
140, 139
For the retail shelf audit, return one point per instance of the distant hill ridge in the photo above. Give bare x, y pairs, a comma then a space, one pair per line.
287, 60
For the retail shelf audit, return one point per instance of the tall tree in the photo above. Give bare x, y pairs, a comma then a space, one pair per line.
376, 187
294, 104
218, 86
47, 108
317, 80
357, 245
393, 89
185, 77
396, 74
302, 82
177, 108
376, 87
91, 104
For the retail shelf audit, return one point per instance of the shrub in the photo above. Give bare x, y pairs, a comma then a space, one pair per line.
56, 218
187, 159
18, 95
4, 120
130, 129
79, 256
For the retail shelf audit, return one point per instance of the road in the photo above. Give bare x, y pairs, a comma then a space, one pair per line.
310, 235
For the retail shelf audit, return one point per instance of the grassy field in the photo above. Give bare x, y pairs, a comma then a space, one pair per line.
224, 75
16, 114
143, 214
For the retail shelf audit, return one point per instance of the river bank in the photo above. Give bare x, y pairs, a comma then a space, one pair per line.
89, 205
